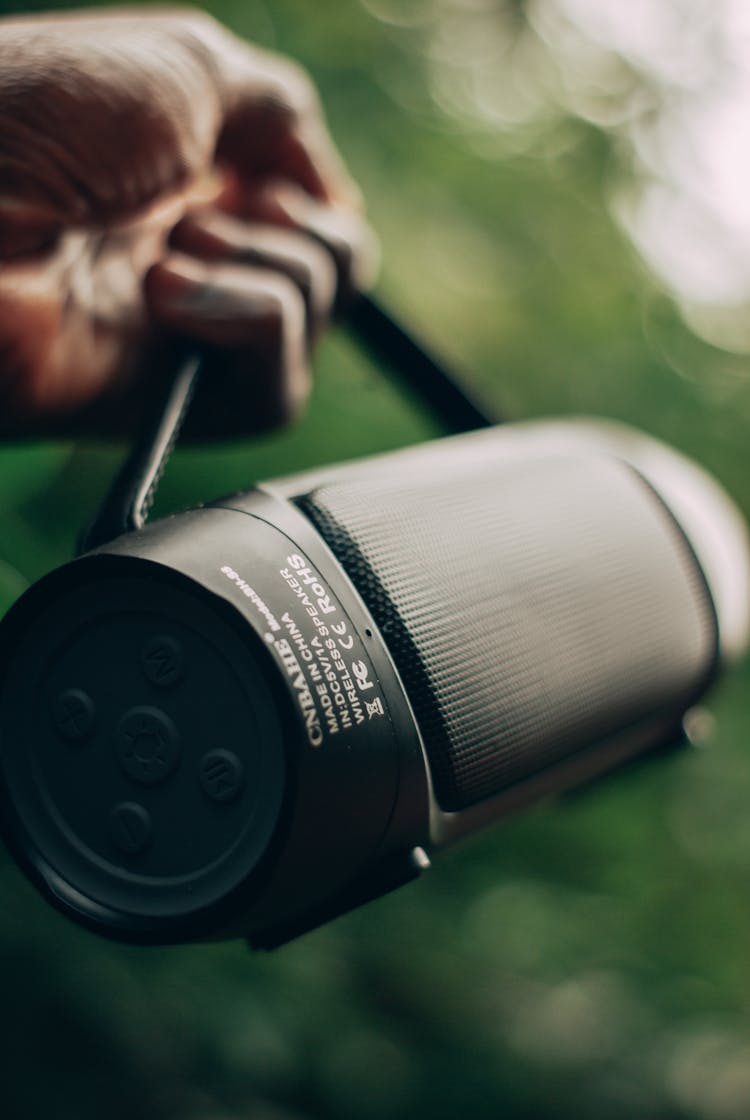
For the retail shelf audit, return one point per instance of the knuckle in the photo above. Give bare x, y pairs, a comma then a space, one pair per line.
196, 21
365, 259
289, 96
290, 385
316, 276
323, 280
298, 88
355, 251
284, 307
293, 393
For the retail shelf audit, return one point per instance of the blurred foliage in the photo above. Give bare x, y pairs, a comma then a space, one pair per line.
587, 958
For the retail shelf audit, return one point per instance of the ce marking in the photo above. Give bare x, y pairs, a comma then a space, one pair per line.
339, 629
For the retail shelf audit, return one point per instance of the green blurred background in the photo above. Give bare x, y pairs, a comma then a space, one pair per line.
591, 957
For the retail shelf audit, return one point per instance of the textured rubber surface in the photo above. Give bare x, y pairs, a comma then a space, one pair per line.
532, 607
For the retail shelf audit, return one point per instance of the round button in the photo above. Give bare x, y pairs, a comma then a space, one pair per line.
221, 775
162, 660
74, 715
147, 745
130, 827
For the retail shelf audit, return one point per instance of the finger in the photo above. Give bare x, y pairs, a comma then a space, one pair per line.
309, 158
345, 235
256, 319
103, 114
274, 126
212, 235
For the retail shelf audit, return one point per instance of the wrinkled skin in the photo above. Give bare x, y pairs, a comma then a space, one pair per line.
162, 180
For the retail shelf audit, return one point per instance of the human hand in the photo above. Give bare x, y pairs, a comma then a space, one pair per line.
159, 178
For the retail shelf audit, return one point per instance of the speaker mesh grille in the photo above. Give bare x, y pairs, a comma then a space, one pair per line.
531, 608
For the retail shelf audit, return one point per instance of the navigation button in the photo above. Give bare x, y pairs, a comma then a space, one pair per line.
74, 715
162, 660
130, 827
147, 745
221, 775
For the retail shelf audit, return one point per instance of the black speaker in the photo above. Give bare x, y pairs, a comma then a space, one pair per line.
249, 717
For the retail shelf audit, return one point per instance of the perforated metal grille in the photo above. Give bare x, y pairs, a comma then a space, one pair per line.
531, 608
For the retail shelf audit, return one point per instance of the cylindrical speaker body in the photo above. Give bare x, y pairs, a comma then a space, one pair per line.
252, 716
